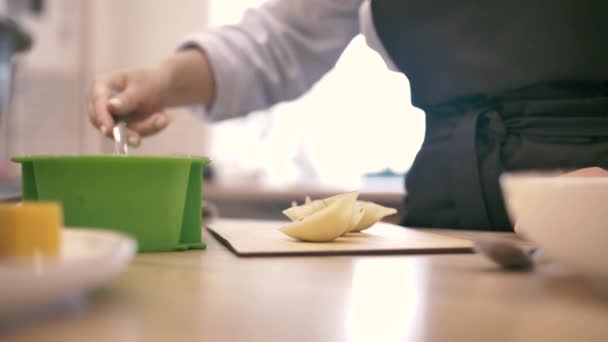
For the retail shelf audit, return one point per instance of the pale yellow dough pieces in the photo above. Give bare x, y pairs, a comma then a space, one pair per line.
296, 212
358, 213
322, 220
372, 213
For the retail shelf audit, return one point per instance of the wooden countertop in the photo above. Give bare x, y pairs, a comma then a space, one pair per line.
213, 295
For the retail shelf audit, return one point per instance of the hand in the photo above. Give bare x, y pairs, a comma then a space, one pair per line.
587, 172
142, 95
138, 95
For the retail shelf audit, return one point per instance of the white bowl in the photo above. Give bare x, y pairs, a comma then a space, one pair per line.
566, 216
89, 258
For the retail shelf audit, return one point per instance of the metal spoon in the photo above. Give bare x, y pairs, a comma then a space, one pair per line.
120, 132
508, 255
120, 137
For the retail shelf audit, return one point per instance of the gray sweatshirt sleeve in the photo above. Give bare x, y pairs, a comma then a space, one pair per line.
276, 52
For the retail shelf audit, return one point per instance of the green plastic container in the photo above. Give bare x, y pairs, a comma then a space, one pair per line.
157, 200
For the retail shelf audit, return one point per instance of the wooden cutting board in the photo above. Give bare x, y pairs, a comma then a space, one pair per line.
262, 238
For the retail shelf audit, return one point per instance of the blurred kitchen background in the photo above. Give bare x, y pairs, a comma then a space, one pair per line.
356, 130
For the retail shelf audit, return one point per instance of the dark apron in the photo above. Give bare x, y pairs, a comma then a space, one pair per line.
493, 117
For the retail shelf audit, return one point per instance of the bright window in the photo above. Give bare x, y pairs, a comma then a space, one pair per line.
357, 120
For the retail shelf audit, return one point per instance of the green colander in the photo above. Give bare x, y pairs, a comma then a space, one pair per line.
157, 200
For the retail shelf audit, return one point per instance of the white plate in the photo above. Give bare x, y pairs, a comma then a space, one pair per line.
89, 258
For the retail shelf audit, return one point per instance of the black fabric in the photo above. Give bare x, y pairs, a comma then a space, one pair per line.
454, 48
506, 86
454, 181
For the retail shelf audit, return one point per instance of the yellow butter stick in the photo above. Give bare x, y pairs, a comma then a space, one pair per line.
29, 230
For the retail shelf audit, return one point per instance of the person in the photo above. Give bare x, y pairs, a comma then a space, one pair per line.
505, 85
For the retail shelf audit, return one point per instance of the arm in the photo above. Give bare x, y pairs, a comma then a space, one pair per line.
190, 79
276, 53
